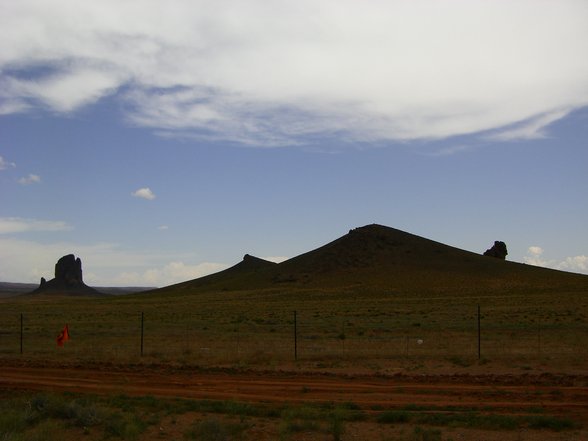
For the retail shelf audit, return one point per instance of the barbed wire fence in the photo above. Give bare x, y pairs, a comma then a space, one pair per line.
283, 336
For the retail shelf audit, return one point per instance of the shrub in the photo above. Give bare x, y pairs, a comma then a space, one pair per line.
393, 416
214, 430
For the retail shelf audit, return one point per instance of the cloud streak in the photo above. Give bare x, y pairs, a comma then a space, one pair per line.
4, 165
30, 179
11, 225
285, 72
168, 274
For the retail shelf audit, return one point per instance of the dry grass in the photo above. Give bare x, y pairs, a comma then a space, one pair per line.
257, 328
375, 296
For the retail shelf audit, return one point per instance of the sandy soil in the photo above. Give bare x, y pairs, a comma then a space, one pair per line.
560, 395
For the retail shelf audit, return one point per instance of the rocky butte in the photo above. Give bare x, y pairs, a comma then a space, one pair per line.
68, 279
498, 250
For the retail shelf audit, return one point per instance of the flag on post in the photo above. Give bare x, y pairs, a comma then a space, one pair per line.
63, 336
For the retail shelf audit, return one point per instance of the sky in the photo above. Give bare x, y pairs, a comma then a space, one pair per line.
161, 141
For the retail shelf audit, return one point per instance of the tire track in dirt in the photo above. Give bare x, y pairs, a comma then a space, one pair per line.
364, 391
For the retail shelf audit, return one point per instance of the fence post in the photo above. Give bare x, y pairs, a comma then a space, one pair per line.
21, 332
479, 336
142, 330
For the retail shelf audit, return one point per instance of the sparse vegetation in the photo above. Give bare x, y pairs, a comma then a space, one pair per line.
359, 297
403, 320
472, 419
47, 416
212, 429
43, 415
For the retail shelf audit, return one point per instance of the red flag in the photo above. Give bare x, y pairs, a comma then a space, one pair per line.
63, 336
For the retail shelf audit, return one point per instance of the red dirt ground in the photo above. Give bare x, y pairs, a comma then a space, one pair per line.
557, 394
562, 395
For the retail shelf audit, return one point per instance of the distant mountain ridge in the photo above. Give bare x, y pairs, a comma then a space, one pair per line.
376, 258
10, 289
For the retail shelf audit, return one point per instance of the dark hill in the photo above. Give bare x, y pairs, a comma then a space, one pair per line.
234, 277
379, 258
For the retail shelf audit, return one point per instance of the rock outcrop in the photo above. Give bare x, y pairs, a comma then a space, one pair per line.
498, 250
68, 279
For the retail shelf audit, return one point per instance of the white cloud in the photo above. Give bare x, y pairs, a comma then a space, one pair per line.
277, 73
169, 274
535, 250
276, 259
4, 165
67, 90
144, 193
10, 225
30, 179
578, 264
27, 261
533, 257
533, 128
163, 227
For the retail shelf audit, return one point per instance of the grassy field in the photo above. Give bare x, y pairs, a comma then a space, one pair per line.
376, 302
258, 328
368, 299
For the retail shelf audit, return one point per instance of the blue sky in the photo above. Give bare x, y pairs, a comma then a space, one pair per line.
161, 142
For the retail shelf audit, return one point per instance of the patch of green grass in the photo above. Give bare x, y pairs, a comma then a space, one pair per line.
549, 422
12, 422
78, 412
45, 416
212, 429
180, 406
420, 434
327, 418
393, 417
296, 426
48, 430
303, 413
475, 420
230, 408
337, 427
124, 426
459, 361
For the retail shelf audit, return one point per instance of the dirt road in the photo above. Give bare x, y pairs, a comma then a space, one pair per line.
561, 395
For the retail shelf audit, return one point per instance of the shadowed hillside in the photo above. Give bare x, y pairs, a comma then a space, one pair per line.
376, 258
242, 274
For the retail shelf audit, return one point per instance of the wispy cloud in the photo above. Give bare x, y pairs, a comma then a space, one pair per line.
451, 150
104, 264
4, 165
30, 179
280, 73
68, 89
533, 128
144, 193
168, 274
10, 225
